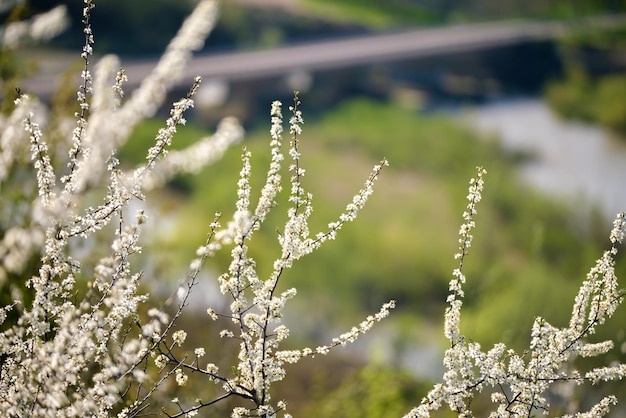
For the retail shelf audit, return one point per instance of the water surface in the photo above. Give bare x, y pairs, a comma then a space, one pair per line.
582, 163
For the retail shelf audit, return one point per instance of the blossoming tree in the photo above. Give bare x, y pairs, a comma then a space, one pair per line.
73, 341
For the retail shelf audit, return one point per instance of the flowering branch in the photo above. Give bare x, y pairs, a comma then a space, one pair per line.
69, 350
520, 383
256, 308
83, 93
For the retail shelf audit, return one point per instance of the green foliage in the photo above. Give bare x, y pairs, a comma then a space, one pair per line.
609, 39
581, 94
415, 12
375, 391
134, 151
611, 100
601, 101
431, 144
571, 97
12, 69
373, 13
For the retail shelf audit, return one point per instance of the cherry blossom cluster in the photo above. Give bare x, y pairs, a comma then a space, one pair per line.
257, 308
72, 341
40, 27
520, 384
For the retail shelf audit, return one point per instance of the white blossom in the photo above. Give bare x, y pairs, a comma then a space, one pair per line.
41, 27
519, 384
181, 377
179, 337
90, 343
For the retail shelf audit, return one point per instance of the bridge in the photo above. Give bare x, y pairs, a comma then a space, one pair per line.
341, 53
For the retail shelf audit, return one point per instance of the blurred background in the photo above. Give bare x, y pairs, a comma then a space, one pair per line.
534, 91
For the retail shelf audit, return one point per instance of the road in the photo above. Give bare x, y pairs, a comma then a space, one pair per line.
332, 54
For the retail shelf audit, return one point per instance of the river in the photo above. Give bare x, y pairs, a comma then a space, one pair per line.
581, 163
